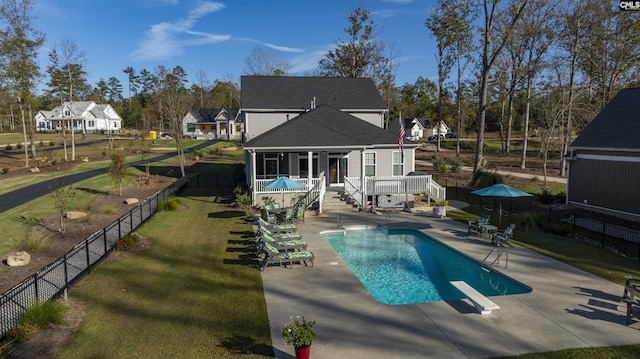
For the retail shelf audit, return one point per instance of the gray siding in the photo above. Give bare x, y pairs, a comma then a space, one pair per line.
613, 185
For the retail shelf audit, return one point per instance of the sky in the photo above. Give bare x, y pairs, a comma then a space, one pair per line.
217, 37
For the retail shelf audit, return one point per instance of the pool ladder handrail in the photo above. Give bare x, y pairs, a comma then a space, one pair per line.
496, 260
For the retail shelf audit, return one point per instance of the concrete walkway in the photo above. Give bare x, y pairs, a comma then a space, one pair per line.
567, 308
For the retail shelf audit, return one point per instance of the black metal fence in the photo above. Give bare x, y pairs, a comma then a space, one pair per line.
617, 235
52, 280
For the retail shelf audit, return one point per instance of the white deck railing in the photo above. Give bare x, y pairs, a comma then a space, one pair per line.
394, 185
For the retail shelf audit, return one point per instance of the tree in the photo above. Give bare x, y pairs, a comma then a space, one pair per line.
493, 40
361, 55
266, 62
439, 24
175, 105
19, 44
132, 81
66, 74
114, 90
538, 27
118, 170
62, 196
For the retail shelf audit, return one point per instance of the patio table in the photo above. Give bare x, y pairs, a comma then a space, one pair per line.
487, 230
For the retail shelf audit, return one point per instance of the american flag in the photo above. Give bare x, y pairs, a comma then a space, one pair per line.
401, 137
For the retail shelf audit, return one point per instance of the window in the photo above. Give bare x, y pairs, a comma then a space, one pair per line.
398, 163
370, 164
191, 127
92, 124
67, 113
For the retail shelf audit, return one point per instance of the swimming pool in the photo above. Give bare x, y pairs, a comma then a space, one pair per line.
406, 266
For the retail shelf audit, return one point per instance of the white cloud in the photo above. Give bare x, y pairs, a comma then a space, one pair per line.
306, 62
167, 39
272, 46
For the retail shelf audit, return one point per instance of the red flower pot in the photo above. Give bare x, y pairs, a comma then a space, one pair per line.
303, 352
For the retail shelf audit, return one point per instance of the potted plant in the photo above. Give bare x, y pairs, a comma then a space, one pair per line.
439, 209
299, 333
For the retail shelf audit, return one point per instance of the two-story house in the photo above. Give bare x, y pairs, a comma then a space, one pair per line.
322, 132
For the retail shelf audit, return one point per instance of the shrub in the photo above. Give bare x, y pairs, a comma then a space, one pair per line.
545, 197
85, 219
19, 145
482, 179
243, 198
525, 220
41, 143
456, 165
52, 143
299, 332
35, 242
8, 147
43, 314
22, 332
108, 209
440, 164
5, 170
169, 204
127, 242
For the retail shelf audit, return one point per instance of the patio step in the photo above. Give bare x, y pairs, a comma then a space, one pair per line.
334, 201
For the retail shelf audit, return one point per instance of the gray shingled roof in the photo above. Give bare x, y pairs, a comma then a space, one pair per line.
616, 126
324, 127
209, 114
285, 92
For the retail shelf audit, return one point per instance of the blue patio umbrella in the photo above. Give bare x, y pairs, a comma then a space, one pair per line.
283, 183
501, 190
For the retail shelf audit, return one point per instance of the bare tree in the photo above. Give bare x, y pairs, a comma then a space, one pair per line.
176, 103
266, 62
62, 196
118, 170
493, 40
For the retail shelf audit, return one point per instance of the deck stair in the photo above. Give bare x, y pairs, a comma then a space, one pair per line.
336, 201
493, 258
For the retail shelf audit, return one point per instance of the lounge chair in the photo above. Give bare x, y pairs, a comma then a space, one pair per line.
272, 256
476, 226
288, 216
280, 243
277, 228
503, 237
268, 216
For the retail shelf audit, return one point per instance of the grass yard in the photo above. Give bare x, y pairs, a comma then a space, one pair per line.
197, 293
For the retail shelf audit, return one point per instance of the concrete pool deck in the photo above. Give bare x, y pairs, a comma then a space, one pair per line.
568, 308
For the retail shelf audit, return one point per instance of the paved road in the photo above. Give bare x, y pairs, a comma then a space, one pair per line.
29, 193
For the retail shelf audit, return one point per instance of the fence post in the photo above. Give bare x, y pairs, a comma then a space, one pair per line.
119, 229
86, 250
104, 237
131, 220
66, 271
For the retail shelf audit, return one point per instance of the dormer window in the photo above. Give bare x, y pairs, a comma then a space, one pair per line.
67, 113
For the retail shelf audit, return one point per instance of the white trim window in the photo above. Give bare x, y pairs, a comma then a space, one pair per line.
398, 163
370, 164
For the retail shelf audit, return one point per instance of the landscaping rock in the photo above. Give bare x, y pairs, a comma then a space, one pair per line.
34, 170
18, 259
131, 201
86, 159
75, 214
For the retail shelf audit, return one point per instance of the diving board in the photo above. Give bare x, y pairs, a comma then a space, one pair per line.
483, 304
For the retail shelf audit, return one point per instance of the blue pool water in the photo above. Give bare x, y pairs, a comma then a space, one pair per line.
406, 266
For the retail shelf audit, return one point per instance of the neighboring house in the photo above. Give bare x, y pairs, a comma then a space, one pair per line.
321, 131
210, 123
604, 160
444, 129
82, 116
414, 128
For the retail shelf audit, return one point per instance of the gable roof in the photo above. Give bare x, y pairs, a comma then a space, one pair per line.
324, 126
210, 114
297, 93
616, 126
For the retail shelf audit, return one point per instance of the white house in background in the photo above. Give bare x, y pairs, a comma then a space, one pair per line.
82, 116
444, 129
414, 127
210, 123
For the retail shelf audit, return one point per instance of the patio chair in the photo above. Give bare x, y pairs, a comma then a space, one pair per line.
503, 237
476, 226
282, 236
299, 217
288, 216
272, 256
268, 216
